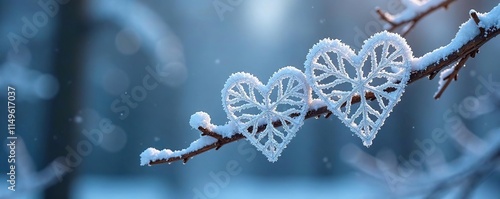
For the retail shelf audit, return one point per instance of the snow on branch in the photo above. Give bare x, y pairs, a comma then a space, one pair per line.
414, 12
472, 35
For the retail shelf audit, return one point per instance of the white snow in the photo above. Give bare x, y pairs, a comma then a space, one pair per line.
491, 19
413, 9
389, 68
445, 73
316, 104
152, 154
226, 130
198, 119
201, 119
467, 32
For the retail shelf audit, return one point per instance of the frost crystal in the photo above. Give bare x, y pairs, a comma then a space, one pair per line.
250, 104
387, 69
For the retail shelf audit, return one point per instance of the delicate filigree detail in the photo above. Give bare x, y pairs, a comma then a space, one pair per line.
250, 104
379, 72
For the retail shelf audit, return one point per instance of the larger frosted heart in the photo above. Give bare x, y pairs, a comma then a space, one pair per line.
379, 72
255, 107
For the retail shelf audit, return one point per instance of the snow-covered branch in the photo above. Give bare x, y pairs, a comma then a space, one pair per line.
415, 10
471, 36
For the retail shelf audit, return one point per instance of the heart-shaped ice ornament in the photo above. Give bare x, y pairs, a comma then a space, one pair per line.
258, 109
376, 77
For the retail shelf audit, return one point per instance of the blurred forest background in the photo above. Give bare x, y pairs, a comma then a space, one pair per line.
83, 65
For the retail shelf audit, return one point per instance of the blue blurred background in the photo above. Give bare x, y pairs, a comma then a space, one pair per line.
74, 62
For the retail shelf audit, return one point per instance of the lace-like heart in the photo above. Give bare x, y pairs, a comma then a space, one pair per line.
381, 79
250, 104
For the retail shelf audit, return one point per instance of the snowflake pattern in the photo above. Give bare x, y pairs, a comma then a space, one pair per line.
379, 72
255, 108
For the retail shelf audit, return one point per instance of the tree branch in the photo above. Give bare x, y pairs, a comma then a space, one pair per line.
452, 76
396, 22
470, 48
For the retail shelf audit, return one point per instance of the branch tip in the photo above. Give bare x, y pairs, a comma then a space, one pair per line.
473, 15
411, 22
452, 76
384, 17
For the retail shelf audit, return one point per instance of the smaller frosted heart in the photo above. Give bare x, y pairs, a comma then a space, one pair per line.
379, 72
250, 104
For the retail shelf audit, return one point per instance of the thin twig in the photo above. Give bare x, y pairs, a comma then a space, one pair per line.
452, 76
474, 16
413, 21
